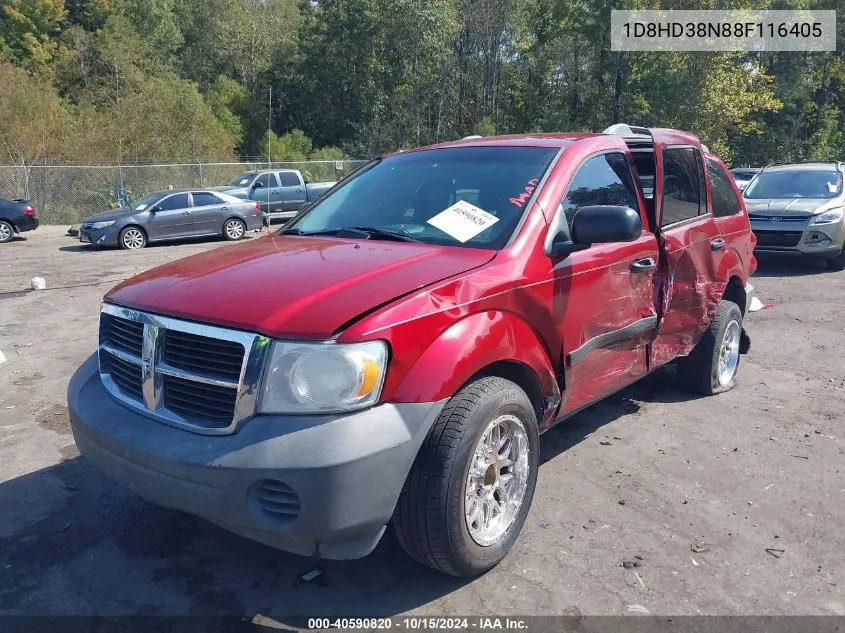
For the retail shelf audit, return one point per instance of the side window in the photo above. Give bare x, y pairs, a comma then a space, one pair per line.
604, 179
178, 201
683, 185
289, 179
205, 199
267, 180
725, 201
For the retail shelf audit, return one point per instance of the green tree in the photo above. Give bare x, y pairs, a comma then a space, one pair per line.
28, 29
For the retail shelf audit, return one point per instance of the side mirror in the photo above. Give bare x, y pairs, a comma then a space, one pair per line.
257, 185
155, 209
597, 224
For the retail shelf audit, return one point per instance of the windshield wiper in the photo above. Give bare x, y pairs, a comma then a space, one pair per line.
369, 232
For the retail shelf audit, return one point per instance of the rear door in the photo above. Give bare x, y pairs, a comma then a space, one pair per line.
207, 212
603, 296
727, 208
293, 191
686, 285
172, 217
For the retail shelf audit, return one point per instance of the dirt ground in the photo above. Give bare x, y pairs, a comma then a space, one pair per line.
727, 505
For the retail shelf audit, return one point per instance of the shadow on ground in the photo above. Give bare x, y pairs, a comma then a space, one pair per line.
72, 542
790, 266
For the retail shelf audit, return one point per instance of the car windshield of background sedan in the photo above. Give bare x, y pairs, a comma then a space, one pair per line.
455, 196
795, 184
243, 180
148, 201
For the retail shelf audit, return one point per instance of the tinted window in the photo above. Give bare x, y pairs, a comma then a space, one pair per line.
798, 183
682, 185
289, 179
205, 199
725, 201
267, 180
605, 179
404, 191
179, 201
743, 175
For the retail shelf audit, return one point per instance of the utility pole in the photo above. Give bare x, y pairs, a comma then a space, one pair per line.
269, 124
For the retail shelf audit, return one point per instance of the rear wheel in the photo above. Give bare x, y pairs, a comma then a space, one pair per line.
132, 238
7, 232
837, 263
712, 365
465, 500
234, 229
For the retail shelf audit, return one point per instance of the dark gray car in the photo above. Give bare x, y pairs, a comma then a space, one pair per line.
172, 215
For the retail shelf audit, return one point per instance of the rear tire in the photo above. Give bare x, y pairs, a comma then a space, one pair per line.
132, 238
837, 263
463, 506
234, 229
7, 232
712, 365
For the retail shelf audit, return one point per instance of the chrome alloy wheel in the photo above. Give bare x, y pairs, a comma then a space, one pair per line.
5, 232
234, 229
133, 238
729, 353
497, 480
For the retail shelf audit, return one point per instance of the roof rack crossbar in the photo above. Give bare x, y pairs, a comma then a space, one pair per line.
628, 131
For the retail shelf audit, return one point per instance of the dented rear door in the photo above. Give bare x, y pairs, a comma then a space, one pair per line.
687, 287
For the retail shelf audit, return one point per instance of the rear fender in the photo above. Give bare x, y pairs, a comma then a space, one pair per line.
469, 346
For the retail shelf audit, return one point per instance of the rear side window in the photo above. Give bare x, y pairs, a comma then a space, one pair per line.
267, 180
288, 179
725, 201
683, 186
178, 201
604, 179
205, 199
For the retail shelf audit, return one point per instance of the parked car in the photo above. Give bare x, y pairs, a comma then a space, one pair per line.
392, 356
800, 210
744, 175
172, 215
16, 216
280, 192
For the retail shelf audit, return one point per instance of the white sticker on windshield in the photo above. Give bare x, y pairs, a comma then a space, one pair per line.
463, 221
140, 207
832, 187
244, 181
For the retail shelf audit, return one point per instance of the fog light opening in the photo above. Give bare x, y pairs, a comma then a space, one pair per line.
817, 239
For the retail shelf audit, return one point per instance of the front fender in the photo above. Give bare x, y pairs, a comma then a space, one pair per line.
466, 348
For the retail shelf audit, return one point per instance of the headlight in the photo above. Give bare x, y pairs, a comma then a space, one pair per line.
828, 217
323, 377
101, 225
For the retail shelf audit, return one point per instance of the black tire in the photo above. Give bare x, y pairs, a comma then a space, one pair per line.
699, 372
837, 263
429, 520
139, 241
230, 235
7, 232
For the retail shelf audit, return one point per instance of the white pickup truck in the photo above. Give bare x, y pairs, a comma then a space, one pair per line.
281, 193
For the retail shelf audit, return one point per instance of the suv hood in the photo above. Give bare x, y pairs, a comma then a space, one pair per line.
791, 206
292, 286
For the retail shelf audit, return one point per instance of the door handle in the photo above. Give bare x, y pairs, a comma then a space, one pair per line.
225, 208
299, 191
187, 213
643, 265
717, 244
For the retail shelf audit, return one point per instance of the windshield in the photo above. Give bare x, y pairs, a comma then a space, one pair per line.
456, 196
243, 180
143, 203
795, 184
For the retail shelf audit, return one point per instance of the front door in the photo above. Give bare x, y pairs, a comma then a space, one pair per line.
207, 213
692, 247
603, 296
262, 190
172, 217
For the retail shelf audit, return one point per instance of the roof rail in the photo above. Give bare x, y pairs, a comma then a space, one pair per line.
628, 131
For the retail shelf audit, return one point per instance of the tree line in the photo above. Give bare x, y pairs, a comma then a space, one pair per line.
134, 81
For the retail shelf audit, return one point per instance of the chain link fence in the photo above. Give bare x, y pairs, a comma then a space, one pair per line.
66, 194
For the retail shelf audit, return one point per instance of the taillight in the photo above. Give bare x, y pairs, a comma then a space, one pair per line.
29, 211
257, 206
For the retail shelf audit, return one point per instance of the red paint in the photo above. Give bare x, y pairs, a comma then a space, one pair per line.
526, 194
450, 312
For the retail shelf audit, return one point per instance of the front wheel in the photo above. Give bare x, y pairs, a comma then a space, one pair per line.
466, 498
234, 229
837, 263
132, 238
712, 365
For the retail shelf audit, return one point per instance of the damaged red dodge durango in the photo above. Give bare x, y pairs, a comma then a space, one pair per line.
392, 355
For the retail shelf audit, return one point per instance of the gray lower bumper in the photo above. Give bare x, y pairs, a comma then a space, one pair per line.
344, 472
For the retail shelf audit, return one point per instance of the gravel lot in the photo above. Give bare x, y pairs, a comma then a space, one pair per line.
728, 505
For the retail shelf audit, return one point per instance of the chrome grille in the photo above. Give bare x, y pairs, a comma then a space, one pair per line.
199, 377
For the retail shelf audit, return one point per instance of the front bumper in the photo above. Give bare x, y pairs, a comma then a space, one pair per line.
799, 238
99, 237
332, 480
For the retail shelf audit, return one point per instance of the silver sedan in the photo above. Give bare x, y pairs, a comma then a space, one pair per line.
172, 215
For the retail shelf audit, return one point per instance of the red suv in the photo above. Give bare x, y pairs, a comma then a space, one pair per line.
394, 353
